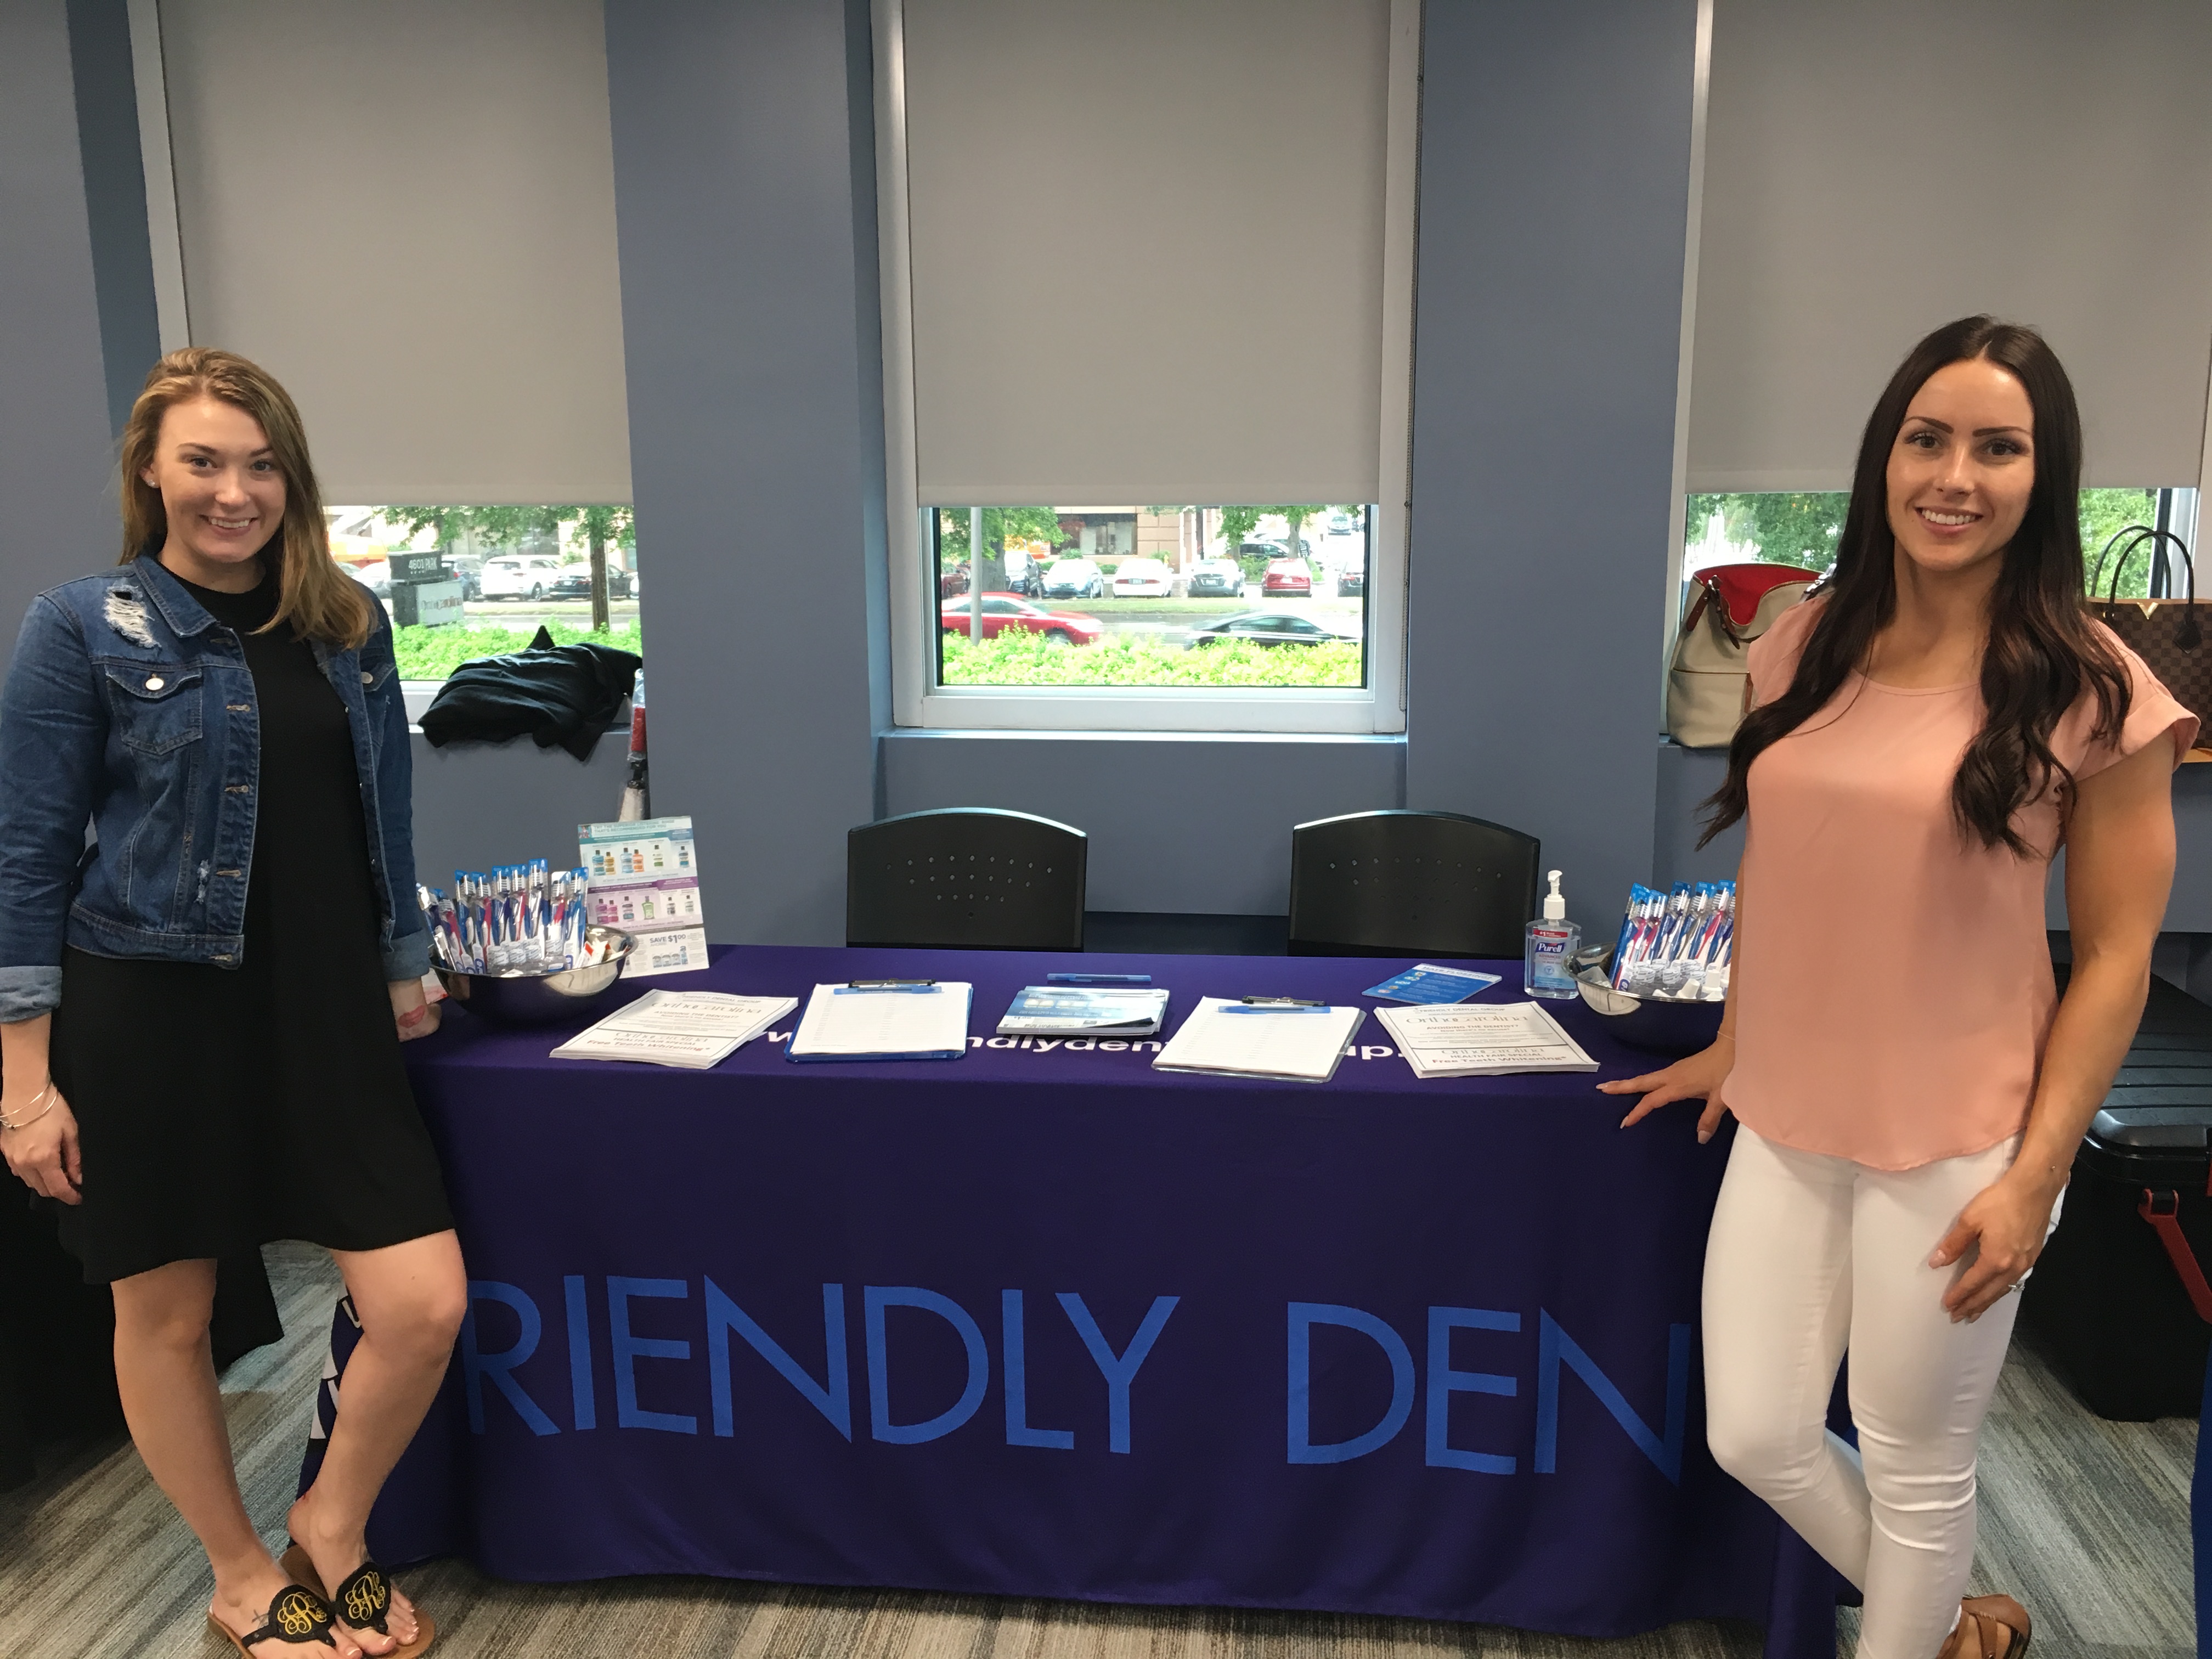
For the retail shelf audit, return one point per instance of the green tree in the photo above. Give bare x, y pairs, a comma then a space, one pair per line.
1028, 524
1788, 528
2104, 514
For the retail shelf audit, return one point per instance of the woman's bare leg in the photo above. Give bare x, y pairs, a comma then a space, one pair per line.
167, 1377
410, 1298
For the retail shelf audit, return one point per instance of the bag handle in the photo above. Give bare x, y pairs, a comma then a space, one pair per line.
2137, 535
2162, 1209
2189, 633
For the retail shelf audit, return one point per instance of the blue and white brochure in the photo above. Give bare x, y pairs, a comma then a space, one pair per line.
1430, 984
1069, 1011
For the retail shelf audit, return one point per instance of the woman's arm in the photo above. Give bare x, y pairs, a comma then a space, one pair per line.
2119, 865
53, 733
1699, 1076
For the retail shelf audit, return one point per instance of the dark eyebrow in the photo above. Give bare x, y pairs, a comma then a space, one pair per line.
194, 443
1980, 431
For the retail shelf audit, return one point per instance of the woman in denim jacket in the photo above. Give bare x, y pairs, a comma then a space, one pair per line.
201, 1001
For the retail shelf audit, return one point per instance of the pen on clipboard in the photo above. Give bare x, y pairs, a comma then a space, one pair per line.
1099, 979
886, 985
1274, 1006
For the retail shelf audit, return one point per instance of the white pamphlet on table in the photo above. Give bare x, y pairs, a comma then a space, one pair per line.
1239, 1039
691, 1029
887, 1021
1498, 1040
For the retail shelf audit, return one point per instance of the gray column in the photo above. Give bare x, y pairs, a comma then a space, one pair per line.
744, 179
1553, 205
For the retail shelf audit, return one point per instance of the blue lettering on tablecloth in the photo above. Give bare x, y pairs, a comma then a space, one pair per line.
832, 1396
1557, 1353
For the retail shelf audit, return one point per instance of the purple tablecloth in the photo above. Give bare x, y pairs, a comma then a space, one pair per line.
1045, 1322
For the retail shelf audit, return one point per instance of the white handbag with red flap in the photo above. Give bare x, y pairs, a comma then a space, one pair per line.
1730, 605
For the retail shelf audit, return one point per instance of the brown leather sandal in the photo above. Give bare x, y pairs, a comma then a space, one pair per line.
1990, 1627
296, 1614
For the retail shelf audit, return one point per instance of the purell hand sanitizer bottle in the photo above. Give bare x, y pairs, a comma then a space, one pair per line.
1552, 943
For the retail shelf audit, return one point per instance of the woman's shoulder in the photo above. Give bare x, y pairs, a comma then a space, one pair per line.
1772, 657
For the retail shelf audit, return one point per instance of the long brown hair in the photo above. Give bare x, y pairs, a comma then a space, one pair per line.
2043, 651
319, 600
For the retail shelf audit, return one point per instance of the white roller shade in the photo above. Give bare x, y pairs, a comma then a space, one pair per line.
405, 211
1146, 248
1877, 169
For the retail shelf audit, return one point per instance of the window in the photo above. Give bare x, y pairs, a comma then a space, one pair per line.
1153, 597
463, 582
1802, 527
1074, 416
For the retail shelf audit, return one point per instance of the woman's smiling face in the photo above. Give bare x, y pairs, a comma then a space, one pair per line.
220, 485
1963, 467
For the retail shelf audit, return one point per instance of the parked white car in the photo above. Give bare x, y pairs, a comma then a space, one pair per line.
519, 576
1143, 579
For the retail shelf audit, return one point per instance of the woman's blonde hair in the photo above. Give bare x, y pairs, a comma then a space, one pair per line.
318, 599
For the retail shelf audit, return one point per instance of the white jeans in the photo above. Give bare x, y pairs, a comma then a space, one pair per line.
1809, 1256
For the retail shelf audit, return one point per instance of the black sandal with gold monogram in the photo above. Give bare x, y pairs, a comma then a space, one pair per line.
296, 1614
364, 1602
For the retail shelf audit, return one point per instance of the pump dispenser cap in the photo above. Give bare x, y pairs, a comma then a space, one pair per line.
1555, 903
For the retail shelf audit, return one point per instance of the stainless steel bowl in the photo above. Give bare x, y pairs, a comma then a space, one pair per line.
559, 998
1651, 1023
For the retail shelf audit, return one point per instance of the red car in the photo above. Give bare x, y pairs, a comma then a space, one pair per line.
1287, 579
1005, 610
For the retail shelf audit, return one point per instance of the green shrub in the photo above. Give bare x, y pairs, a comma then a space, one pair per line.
1023, 658
433, 654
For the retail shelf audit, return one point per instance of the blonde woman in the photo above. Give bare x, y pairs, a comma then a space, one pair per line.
201, 1011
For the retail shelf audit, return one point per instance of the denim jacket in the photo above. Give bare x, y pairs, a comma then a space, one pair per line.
129, 708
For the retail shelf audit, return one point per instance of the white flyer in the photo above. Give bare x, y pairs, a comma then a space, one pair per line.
644, 879
1499, 1040
691, 1029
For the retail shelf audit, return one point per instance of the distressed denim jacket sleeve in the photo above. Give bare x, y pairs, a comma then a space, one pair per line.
407, 952
53, 733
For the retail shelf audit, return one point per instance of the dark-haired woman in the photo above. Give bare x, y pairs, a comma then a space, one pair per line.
200, 1018
1926, 732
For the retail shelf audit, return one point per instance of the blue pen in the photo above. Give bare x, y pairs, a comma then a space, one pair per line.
1099, 979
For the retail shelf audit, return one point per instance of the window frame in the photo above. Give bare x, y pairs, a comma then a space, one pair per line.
917, 700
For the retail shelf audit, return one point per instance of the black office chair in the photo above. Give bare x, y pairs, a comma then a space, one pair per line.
1404, 883
967, 878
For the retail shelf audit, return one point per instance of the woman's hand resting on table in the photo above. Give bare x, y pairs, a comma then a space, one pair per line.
412, 1011
42, 1155
1696, 1077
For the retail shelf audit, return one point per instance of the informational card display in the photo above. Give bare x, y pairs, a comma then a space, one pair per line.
1077, 1010
644, 879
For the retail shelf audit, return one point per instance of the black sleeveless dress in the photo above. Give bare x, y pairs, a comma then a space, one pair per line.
220, 1108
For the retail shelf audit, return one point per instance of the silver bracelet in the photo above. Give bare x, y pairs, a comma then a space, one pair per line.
7, 1122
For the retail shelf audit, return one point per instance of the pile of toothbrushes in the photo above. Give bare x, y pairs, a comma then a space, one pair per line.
1677, 946
519, 919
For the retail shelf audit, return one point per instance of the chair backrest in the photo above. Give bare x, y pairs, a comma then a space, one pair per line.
1405, 884
969, 878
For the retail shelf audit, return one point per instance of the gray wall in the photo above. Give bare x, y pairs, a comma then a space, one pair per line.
481, 804
115, 197
55, 454
742, 165
1555, 148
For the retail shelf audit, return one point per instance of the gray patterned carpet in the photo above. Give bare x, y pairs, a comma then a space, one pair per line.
2086, 1521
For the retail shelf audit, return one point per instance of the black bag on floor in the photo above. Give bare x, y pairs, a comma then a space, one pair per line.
2119, 1298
